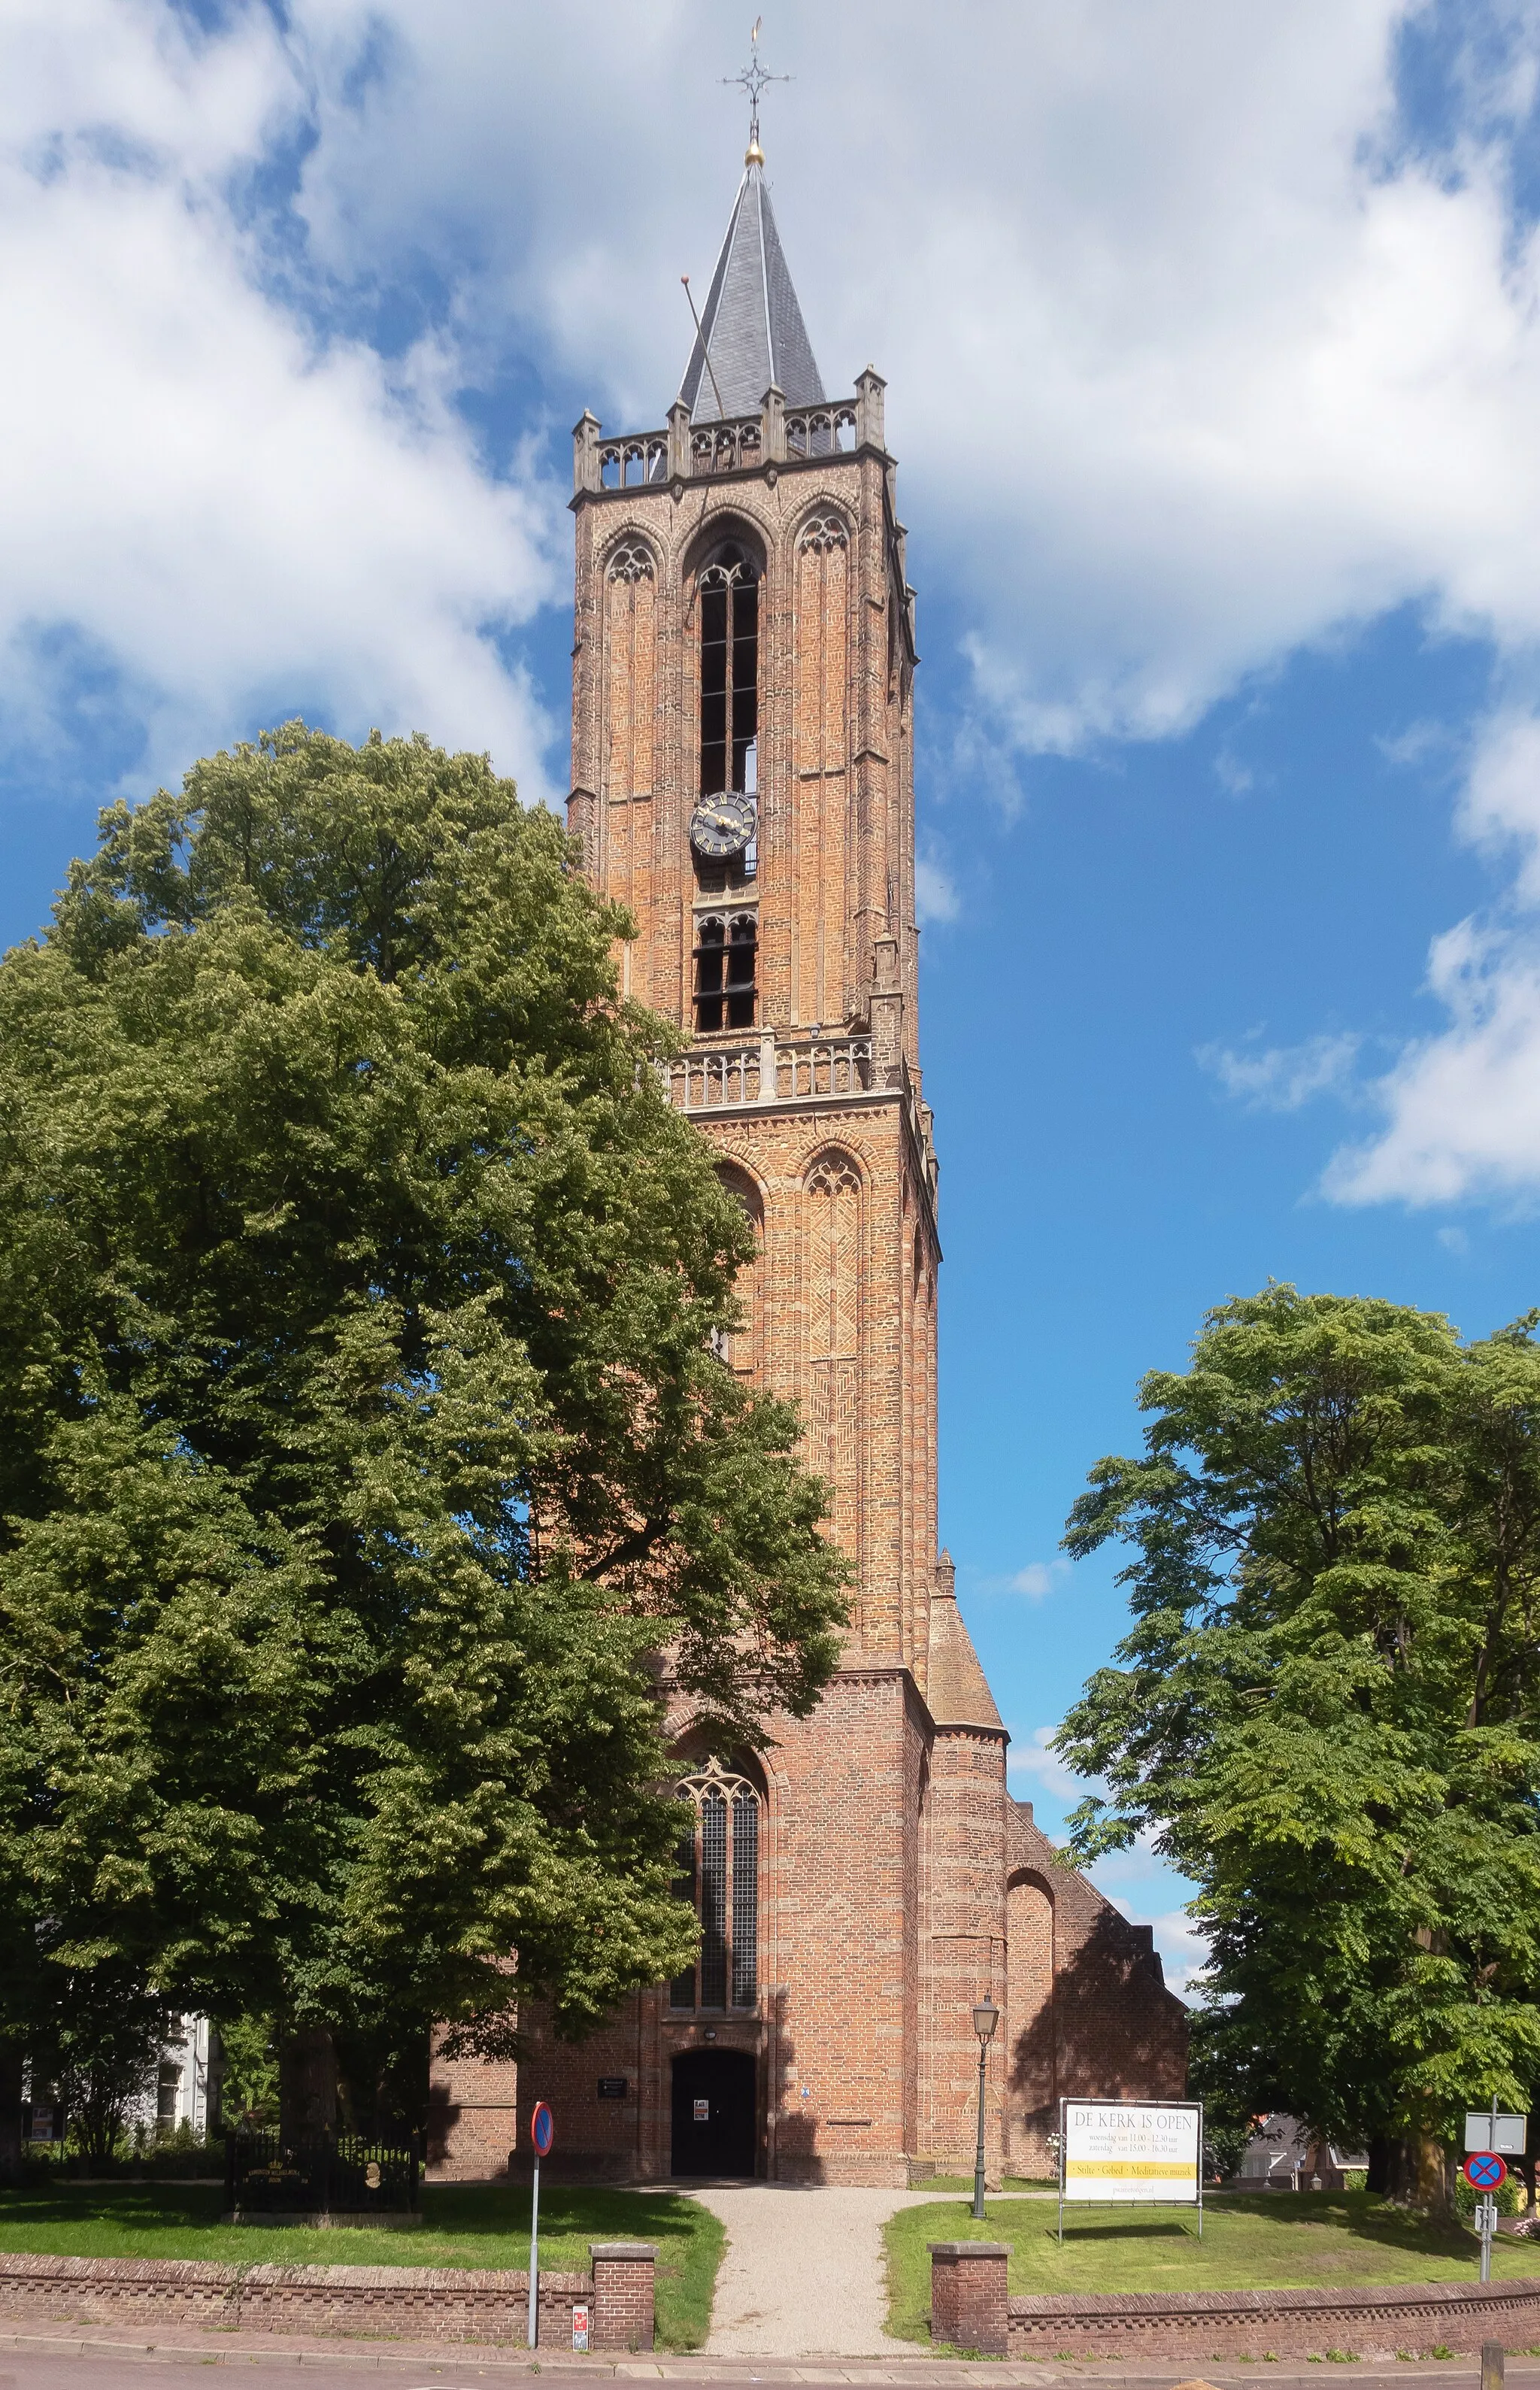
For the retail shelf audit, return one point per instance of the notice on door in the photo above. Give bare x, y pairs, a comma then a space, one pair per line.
702, 2111
1114, 2149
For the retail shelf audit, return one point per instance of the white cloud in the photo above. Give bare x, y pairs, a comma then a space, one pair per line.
936, 897
230, 514
1184, 1950
1030, 1763
1463, 1108
1187, 365
1038, 1578
1281, 1078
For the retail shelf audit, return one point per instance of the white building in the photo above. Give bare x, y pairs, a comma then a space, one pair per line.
1283, 2155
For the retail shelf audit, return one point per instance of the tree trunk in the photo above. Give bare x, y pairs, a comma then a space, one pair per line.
307, 2085
10, 2112
1419, 2176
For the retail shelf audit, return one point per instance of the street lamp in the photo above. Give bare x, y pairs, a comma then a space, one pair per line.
986, 2016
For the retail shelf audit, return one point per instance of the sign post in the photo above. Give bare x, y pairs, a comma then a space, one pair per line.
1488, 2132
1145, 2154
542, 2133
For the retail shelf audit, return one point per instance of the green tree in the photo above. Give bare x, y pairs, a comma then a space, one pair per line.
362, 1449
97, 2042
1327, 1711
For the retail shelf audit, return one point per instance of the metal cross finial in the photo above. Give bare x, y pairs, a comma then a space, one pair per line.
753, 80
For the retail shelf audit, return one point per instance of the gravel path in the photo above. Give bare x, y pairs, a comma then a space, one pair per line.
803, 2272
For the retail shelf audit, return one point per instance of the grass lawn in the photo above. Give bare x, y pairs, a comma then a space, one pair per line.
1281, 2240
467, 2224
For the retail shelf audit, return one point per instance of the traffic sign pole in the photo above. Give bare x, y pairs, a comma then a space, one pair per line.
542, 2134
535, 2258
1485, 2171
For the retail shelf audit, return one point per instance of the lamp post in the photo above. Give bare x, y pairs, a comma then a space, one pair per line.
986, 2016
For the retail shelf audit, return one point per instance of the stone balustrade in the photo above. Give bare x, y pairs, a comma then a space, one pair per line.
770, 1069
685, 451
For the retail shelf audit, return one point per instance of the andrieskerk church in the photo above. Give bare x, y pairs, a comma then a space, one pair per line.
743, 783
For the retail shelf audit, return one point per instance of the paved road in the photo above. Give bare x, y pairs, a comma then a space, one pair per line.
93, 2357
106, 2363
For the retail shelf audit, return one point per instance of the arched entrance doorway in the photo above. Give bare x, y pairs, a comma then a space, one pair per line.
715, 2122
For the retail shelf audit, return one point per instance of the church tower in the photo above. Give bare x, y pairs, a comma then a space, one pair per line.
743, 783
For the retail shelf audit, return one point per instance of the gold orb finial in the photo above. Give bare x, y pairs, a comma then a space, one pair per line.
754, 155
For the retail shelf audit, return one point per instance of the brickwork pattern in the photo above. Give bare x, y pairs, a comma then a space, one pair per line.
967, 2295
1412, 2320
970, 2309
1087, 2014
625, 2280
430, 2302
894, 1865
835, 746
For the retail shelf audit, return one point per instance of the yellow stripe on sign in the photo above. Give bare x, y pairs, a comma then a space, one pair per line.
1130, 2169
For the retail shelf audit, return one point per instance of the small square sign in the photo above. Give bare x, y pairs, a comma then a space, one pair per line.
702, 2111
613, 2087
1505, 2134
580, 2327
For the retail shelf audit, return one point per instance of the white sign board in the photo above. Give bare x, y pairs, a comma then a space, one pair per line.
1132, 2151
1507, 2136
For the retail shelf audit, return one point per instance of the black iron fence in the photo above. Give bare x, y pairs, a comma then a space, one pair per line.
342, 2173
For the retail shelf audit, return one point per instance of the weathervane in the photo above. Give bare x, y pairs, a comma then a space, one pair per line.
753, 80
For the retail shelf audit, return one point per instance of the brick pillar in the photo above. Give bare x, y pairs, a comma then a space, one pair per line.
968, 2295
622, 2293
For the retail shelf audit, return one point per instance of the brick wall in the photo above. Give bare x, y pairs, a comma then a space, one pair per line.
1088, 2014
966, 1946
888, 1841
624, 2274
427, 2303
967, 2295
969, 2309
1412, 2319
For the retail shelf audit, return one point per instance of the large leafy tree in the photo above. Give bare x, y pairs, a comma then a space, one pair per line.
1327, 1711
364, 1457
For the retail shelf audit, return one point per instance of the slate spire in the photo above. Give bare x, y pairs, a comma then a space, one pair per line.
752, 324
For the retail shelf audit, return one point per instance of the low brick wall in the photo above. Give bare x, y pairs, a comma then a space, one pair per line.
1412, 2318
969, 2309
968, 2295
414, 2302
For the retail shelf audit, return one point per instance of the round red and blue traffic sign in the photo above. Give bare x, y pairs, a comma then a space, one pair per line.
543, 2130
1485, 2170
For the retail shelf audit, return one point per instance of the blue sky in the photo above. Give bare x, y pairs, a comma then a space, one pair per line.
1214, 354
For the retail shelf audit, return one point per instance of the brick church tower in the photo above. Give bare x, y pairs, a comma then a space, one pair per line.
743, 782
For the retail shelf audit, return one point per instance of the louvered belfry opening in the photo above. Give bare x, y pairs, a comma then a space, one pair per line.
726, 956
729, 674
718, 1871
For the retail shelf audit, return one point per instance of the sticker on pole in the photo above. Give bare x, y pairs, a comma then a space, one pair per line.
542, 2129
1485, 2170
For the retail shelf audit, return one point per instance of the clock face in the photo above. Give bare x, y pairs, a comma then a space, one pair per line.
723, 825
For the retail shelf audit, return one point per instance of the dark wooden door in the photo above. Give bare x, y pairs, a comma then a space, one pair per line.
715, 2113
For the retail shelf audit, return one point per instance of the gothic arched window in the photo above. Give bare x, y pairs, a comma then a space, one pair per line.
726, 950
719, 1874
728, 589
